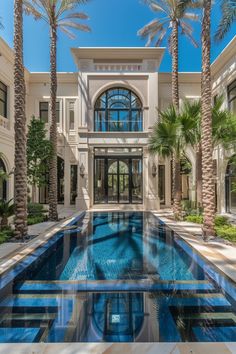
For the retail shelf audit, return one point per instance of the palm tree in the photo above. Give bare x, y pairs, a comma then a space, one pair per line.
228, 10
170, 137
223, 133
20, 172
175, 16
208, 192
6, 210
57, 14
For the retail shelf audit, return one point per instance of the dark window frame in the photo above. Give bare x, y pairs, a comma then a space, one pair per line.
58, 110
230, 88
118, 158
129, 109
3, 88
3, 182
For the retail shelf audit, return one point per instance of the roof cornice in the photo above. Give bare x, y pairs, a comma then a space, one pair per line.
224, 56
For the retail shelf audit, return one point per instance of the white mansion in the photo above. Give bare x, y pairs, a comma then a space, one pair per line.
105, 114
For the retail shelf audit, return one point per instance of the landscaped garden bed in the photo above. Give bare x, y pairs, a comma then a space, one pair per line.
223, 227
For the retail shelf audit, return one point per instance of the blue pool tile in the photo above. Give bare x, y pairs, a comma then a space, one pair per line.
215, 334
167, 327
16, 301
18, 335
200, 301
27, 261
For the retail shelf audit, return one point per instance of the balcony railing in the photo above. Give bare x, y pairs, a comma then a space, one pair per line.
118, 126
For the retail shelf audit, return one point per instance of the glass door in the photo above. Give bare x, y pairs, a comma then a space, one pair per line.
124, 195
112, 177
118, 180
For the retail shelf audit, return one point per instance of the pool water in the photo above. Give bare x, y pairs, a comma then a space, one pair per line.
116, 277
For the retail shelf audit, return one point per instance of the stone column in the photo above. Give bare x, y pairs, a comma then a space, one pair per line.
83, 198
151, 200
168, 182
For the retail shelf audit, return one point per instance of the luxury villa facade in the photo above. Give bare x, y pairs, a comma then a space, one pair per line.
106, 111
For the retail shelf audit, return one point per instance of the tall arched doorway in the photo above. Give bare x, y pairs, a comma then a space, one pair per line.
118, 179
3, 181
230, 185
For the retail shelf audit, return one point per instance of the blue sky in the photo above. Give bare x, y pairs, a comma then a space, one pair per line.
113, 23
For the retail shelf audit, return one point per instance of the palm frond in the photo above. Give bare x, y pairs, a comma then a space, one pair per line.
228, 11
151, 27
169, 10
156, 7
69, 33
191, 16
187, 30
58, 13
74, 25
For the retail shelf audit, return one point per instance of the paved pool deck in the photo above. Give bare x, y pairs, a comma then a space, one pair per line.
220, 253
120, 348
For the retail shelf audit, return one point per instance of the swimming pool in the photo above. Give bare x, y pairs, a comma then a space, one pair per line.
116, 277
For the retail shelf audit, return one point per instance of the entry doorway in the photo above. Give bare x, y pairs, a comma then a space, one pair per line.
118, 180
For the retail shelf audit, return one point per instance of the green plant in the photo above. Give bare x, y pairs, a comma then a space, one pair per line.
6, 234
221, 221
35, 210
189, 207
171, 135
228, 11
227, 232
6, 210
197, 219
39, 150
35, 220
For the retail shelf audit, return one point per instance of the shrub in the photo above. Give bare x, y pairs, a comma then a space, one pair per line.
227, 232
35, 219
198, 219
190, 208
5, 234
6, 210
35, 210
221, 220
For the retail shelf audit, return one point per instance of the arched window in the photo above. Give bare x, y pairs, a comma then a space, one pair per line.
118, 109
3, 181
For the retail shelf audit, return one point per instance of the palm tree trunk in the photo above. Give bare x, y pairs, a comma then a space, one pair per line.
199, 175
208, 197
177, 188
176, 183
4, 222
175, 64
20, 173
53, 128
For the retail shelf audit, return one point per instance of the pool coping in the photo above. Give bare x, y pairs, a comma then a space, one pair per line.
116, 348
28, 248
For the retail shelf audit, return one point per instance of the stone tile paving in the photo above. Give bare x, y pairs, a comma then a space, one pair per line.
122, 348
